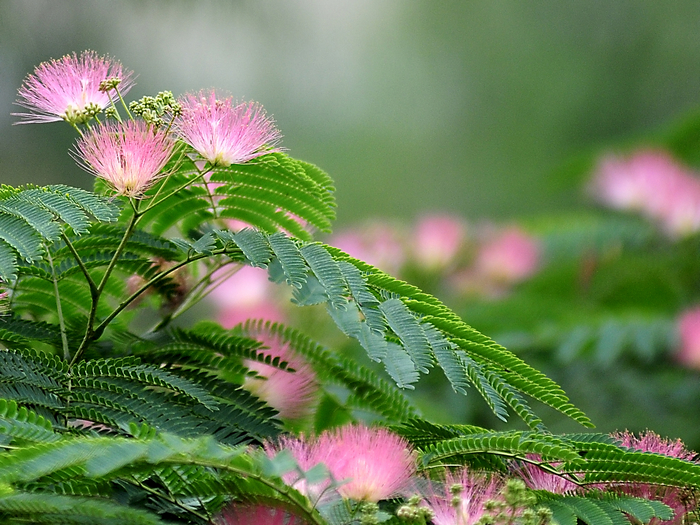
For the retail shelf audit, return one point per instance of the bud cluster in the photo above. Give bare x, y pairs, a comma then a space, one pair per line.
152, 109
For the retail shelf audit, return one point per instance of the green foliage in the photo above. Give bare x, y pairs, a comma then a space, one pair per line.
603, 509
113, 409
32, 216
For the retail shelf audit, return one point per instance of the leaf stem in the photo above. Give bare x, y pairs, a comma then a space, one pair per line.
81, 264
90, 334
59, 310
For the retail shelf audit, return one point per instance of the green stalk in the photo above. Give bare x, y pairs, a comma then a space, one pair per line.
59, 310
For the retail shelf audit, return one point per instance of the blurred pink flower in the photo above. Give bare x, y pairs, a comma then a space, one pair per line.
292, 394
463, 498
304, 451
247, 294
437, 240
537, 479
377, 463
653, 183
69, 88
509, 257
128, 156
377, 244
371, 463
674, 497
689, 331
224, 132
256, 515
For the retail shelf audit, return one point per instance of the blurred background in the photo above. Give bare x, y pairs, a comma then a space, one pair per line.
483, 110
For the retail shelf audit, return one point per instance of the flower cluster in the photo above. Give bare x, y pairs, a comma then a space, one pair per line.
371, 464
654, 184
484, 261
131, 156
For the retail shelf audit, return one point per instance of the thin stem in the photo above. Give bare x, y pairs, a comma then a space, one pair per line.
98, 331
169, 499
198, 292
126, 108
90, 334
59, 310
81, 264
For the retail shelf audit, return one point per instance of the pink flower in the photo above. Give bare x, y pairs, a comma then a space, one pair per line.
689, 331
653, 183
437, 240
256, 515
69, 88
305, 453
128, 156
224, 132
537, 479
463, 499
509, 257
247, 294
292, 394
377, 244
674, 497
371, 463
377, 463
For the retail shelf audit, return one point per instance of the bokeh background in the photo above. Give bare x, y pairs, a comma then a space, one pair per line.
475, 108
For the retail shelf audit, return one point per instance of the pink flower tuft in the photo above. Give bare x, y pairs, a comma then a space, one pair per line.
377, 244
537, 479
653, 183
247, 294
305, 453
256, 515
473, 491
128, 156
69, 88
509, 257
688, 328
224, 132
292, 394
377, 463
438, 239
674, 497
371, 463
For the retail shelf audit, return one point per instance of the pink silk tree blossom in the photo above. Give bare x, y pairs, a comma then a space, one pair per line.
654, 184
292, 394
538, 479
437, 240
688, 327
509, 257
376, 463
224, 132
371, 464
256, 515
463, 499
69, 88
128, 156
674, 497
